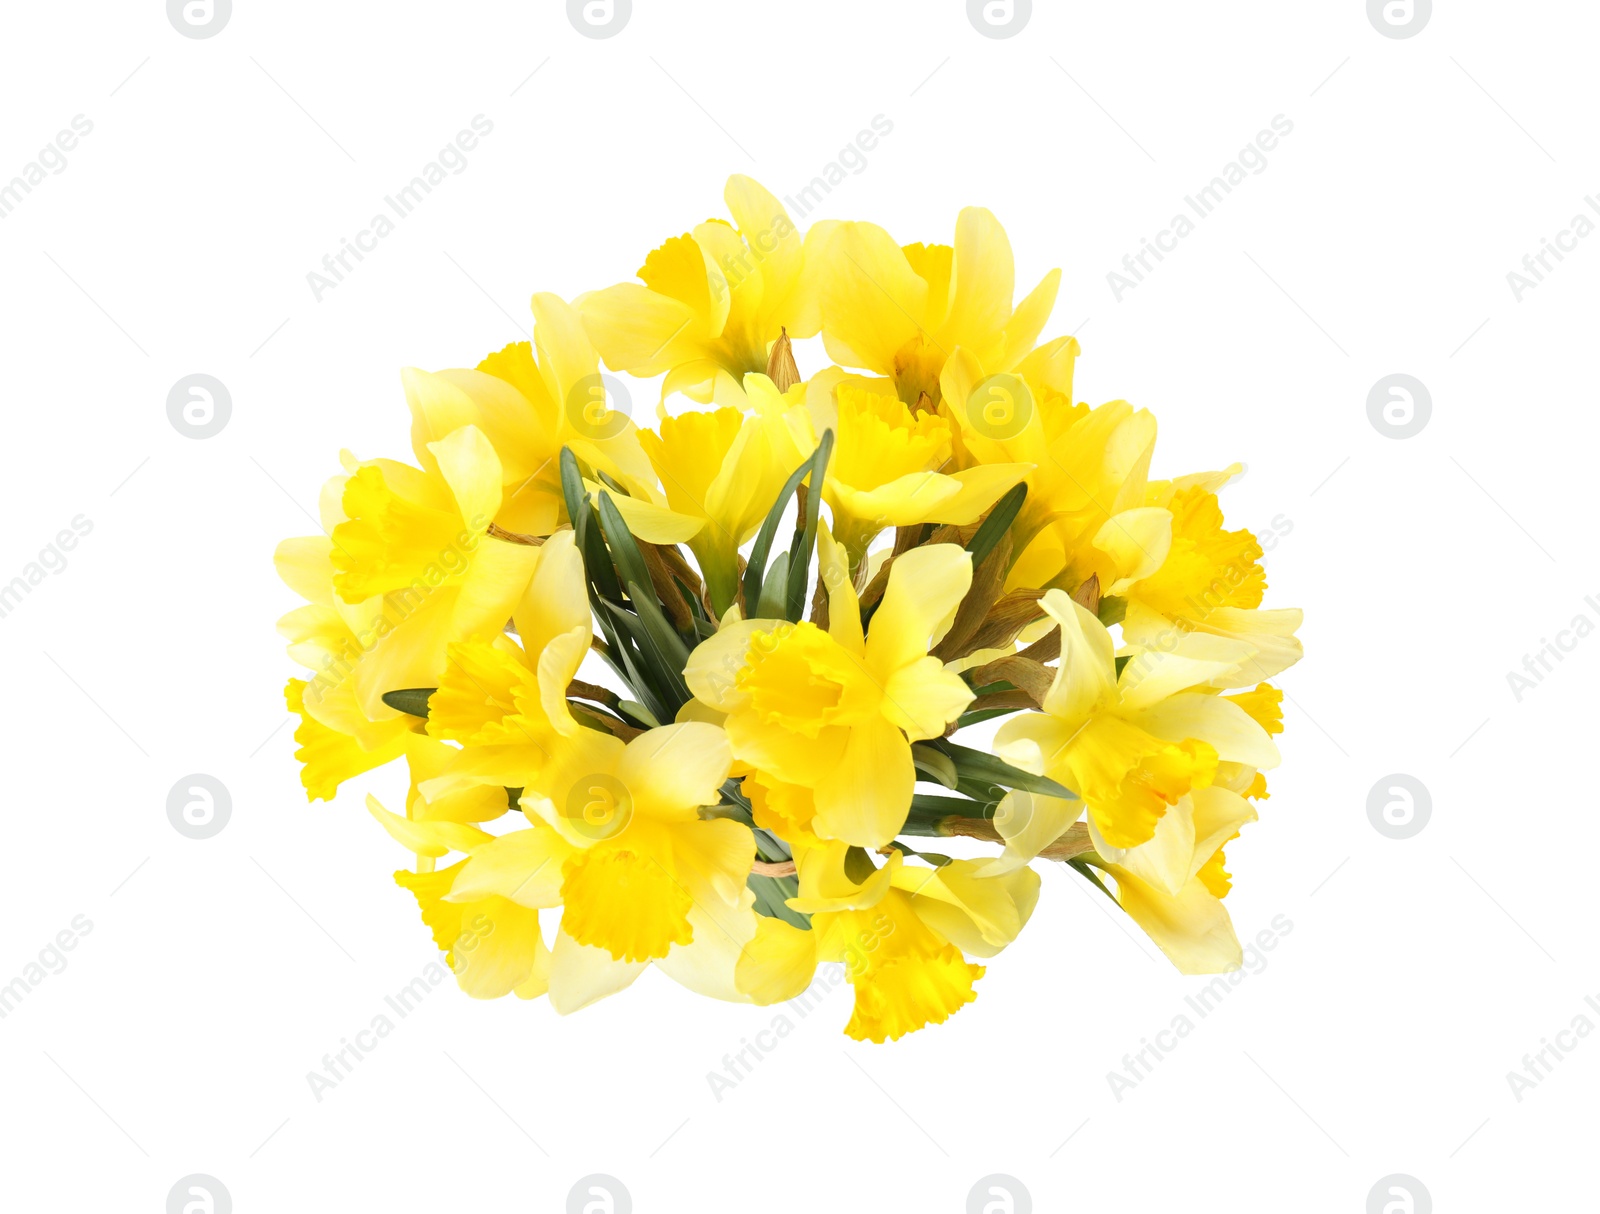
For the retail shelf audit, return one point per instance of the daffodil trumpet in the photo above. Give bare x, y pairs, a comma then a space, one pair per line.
701, 695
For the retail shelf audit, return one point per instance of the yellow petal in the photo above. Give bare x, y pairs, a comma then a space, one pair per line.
638, 330
556, 600
864, 799
982, 286
1086, 676
1029, 319
714, 664
1222, 724
327, 757
492, 946
1137, 541
306, 567
873, 300
777, 963
979, 488
427, 838
522, 866
844, 606
469, 465
924, 697
652, 523
708, 964
1193, 929
443, 402
926, 585
673, 770
581, 975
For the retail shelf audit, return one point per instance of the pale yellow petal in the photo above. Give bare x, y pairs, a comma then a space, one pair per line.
672, 770
864, 798
1137, 541
523, 866
581, 974
1086, 676
1193, 929
924, 697
926, 585
469, 465
432, 839
1235, 735
777, 963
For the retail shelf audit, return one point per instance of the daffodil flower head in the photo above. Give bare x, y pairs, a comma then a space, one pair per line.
836, 711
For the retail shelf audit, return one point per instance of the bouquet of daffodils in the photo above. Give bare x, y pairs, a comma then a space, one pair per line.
697, 696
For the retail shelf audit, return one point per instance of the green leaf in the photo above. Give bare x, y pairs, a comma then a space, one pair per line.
1112, 610
999, 521
928, 813
631, 569
413, 700
772, 894
666, 650
590, 543
647, 670
979, 768
932, 857
982, 714
774, 591
756, 567
1083, 866
805, 539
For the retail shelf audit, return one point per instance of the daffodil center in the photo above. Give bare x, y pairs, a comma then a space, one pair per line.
799, 678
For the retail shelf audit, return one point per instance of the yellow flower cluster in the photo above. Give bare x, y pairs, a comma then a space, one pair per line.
735, 790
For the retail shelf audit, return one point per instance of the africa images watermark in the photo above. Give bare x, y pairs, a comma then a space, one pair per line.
853, 156
1203, 202
1544, 660
1141, 1063
52, 960
51, 157
741, 1064
341, 1063
763, 242
52, 558
1537, 264
398, 606
403, 202
1540, 1064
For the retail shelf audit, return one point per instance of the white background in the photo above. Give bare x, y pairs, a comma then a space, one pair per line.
1377, 1038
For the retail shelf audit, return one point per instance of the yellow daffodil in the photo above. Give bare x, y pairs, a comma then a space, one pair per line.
902, 933
1086, 514
833, 711
420, 539
642, 877
528, 408
1132, 745
1173, 884
493, 944
337, 739
901, 312
1211, 582
710, 303
327, 757
723, 468
892, 467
